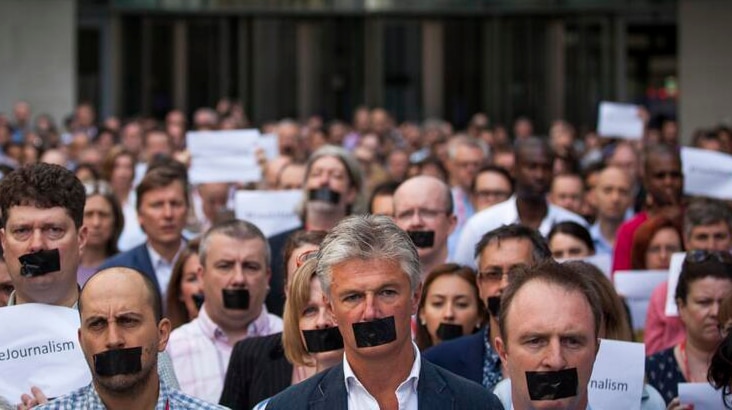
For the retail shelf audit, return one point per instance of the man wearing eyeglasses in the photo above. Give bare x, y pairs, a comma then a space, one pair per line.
423, 208
500, 250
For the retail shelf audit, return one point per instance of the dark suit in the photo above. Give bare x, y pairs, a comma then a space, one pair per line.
437, 389
276, 297
258, 369
463, 356
137, 258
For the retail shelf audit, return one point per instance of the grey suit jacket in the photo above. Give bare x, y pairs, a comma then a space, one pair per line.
437, 389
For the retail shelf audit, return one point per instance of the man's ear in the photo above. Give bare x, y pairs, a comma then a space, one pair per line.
501, 349
199, 273
164, 329
83, 234
452, 222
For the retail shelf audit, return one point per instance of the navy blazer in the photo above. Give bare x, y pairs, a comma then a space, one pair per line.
463, 356
437, 389
137, 258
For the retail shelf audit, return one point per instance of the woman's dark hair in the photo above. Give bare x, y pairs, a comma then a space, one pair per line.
175, 308
720, 370
422, 337
575, 230
700, 265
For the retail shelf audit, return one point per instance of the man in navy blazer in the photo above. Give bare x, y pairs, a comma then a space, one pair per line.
162, 207
474, 356
369, 271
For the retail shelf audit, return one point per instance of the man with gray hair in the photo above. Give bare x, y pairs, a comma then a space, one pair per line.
369, 271
235, 274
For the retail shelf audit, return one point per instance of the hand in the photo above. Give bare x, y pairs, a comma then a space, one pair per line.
28, 402
675, 404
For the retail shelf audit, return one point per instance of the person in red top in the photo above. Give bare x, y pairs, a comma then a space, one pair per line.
663, 180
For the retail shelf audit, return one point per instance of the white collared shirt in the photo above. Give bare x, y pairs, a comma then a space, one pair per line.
360, 399
163, 269
504, 213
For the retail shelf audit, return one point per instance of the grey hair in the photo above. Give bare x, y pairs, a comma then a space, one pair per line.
352, 168
464, 140
367, 237
236, 229
706, 211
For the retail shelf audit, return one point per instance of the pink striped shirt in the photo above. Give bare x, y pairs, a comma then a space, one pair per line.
200, 351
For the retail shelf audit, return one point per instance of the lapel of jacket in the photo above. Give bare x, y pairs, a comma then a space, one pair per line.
330, 393
145, 264
432, 389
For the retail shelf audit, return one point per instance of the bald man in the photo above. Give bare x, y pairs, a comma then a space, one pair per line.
121, 333
611, 196
423, 208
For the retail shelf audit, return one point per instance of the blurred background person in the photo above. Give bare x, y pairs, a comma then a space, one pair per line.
570, 240
653, 244
104, 221
491, 185
185, 291
449, 297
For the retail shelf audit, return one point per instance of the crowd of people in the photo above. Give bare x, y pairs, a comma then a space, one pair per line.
433, 268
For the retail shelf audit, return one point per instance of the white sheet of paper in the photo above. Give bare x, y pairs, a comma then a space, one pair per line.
617, 376
619, 121
270, 144
701, 395
223, 156
39, 347
674, 270
636, 286
707, 173
272, 211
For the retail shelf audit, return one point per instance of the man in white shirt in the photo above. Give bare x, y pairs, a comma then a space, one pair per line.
423, 208
235, 273
533, 173
369, 271
611, 196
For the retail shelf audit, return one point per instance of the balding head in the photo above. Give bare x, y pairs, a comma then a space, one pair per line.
120, 281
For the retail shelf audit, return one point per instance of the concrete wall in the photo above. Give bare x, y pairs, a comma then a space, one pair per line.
38, 55
705, 64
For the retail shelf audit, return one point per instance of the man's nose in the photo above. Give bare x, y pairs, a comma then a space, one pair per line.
36, 241
114, 337
554, 356
370, 311
167, 210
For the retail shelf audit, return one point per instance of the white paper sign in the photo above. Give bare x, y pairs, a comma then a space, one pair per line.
620, 121
701, 395
674, 270
39, 347
707, 173
223, 156
272, 211
617, 376
269, 143
636, 286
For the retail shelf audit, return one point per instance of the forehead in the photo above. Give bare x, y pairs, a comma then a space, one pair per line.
174, 189
366, 273
568, 183
491, 179
449, 285
506, 252
328, 163
420, 192
538, 300
533, 153
26, 214
224, 247
613, 177
466, 151
719, 226
115, 292
662, 162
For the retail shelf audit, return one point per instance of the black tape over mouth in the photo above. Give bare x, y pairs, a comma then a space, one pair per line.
118, 361
235, 298
447, 331
40, 263
422, 239
493, 303
552, 385
198, 299
325, 195
375, 333
323, 340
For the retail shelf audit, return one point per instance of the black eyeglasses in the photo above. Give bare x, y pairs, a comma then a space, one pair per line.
699, 256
